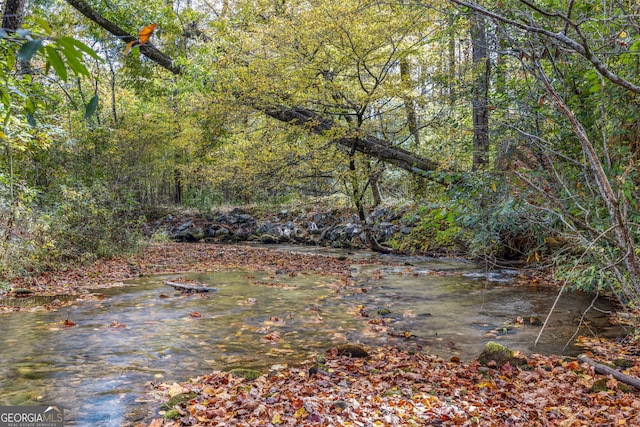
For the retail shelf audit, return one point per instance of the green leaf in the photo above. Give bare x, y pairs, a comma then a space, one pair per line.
42, 23
74, 62
22, 33
91, 107
73, 43
56, 62
29, 106
5, 98
10, 58
29, 49
17, 92
31, 119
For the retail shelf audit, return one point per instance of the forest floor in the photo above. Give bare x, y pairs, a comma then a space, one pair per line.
388, 388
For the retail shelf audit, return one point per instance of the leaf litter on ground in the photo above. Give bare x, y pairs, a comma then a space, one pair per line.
395, 388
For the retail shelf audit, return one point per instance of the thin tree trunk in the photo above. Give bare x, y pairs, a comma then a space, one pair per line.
112, 81
451, 78
375, 189
619, 220
480, 102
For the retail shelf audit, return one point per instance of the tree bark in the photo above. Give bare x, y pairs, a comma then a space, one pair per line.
409, 104
480, 102
367, 144
12, 14
147, 49
605, 370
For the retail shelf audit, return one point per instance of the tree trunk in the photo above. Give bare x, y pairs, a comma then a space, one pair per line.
367, 144
606, 370
409, 104
177, 186
452, 62
480, 102
374, 177
12, 15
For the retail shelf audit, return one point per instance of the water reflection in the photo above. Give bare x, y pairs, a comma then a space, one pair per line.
148, 332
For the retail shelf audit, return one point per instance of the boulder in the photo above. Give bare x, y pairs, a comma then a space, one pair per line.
352, 350
499, 355
190, 234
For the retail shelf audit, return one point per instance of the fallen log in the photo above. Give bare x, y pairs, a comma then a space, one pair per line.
184, 287
606, 370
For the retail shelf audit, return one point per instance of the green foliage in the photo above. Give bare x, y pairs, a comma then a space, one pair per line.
435, 232
480, 217
88, 223
71, 155
84, 224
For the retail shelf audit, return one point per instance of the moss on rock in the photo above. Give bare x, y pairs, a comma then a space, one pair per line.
351, 350
248, 374
500, 355
171, 414
599, 385
179, 399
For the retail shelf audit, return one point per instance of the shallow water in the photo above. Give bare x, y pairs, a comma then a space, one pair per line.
148, 332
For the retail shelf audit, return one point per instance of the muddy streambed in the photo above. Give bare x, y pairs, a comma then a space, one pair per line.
145, 332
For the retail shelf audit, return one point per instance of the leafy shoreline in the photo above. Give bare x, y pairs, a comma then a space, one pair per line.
161, 258
397, 388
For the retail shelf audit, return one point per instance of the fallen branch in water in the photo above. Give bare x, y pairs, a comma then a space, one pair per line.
604, 369
183, 287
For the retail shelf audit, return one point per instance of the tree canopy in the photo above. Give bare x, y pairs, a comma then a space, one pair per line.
516, 121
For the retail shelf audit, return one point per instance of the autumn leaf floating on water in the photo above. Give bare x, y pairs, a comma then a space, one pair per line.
69, 323
271, 337
117, 325
143, 36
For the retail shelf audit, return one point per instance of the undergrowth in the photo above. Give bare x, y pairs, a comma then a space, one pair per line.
83, 224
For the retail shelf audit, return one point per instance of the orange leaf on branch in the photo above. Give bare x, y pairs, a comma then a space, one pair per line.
143, 36
145, 33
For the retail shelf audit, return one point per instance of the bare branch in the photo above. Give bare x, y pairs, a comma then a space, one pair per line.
581, 49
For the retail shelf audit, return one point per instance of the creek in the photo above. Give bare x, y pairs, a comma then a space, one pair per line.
99, 370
